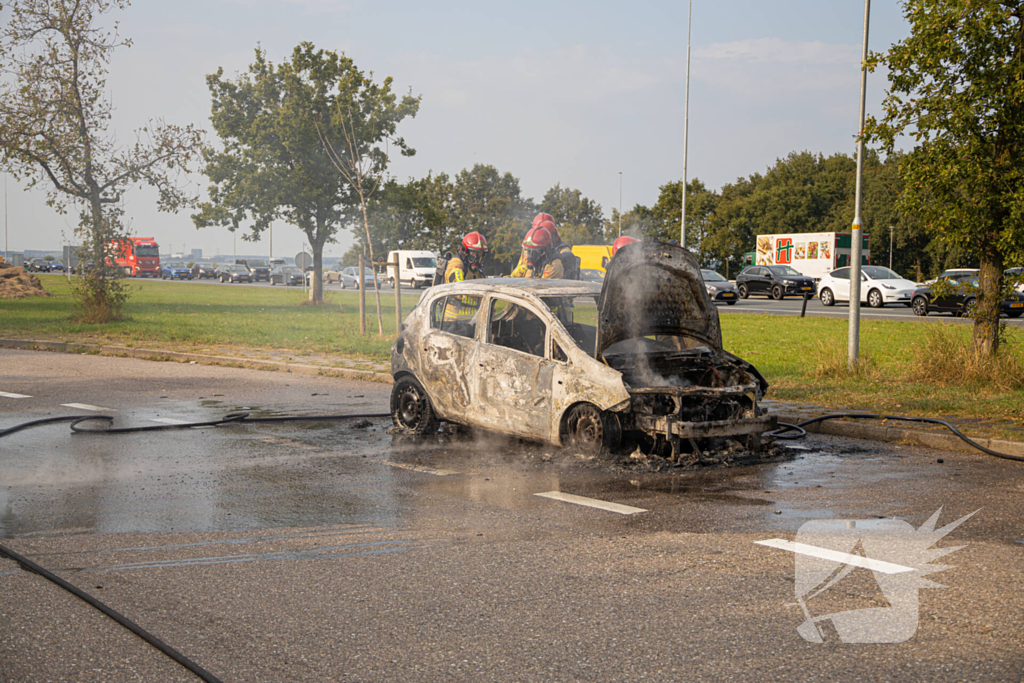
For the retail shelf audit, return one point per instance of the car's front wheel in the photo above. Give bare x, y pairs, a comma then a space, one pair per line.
411, 410
920, 305
827, 298
778, 292
875, 299
744, 291
592, 431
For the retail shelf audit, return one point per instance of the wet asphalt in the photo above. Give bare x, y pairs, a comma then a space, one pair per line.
330, 552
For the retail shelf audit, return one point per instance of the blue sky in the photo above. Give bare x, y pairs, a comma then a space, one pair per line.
552, 92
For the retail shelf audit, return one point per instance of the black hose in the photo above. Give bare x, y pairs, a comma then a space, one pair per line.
230, 418
782, 433
124, 621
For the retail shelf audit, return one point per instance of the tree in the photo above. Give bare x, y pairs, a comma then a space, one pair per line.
580, 220
700, 207
357, 126
955, 88
491, 203
54, 130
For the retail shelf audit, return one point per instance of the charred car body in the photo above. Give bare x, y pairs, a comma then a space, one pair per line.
580, 363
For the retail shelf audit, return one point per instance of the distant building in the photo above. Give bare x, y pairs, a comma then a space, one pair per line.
197, 254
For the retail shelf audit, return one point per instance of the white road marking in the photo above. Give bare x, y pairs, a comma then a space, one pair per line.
424, 470
168, 421
86, 406
591, 502
6, 394
836, 556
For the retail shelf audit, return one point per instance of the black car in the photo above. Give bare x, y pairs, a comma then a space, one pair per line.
37, 265
234, 273
286, 275
774, 281
201, 269
718, 288
957, 295
258, 269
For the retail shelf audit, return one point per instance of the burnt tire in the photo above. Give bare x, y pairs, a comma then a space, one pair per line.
744, 291
778, 292
875, 299
920, 305
592, 431
827, 297
411, 410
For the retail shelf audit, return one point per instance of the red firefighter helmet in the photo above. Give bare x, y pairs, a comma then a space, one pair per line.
473, 248
621, 242
550, 227
541, 217
536, 243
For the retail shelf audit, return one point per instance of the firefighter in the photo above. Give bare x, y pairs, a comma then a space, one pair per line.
468, 264
521, 267
541, 259
621, 242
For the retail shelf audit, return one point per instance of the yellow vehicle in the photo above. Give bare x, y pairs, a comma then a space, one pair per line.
593, 256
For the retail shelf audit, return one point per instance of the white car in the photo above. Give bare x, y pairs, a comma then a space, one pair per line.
878, 286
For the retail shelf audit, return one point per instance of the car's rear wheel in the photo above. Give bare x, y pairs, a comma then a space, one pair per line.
875, 299
592, 431
778, 292
744, 291
827, 298
920, 305
411, 410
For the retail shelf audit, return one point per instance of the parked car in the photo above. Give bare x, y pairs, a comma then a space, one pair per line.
591, 275
957, 296
718, 288
353, 272
37, 265
1015, 275
204, 269
286, 275
953, 273
175, 270
258, 269
878, 286
774, 281
579, 363
236, 272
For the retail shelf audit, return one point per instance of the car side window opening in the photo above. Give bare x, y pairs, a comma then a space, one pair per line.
408, 264
842, 274
516, 327
578, 315
455, 315
557, 353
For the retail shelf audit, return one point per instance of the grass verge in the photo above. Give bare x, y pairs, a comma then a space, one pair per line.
910, 367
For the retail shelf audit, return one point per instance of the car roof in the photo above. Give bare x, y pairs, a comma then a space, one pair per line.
540, 287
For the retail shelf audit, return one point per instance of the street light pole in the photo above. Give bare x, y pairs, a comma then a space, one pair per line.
891, 228
853, 342
620, 203
686, 126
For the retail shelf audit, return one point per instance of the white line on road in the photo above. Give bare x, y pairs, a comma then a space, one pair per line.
86, 406
421, 468
836, 556
6, 394
591, 502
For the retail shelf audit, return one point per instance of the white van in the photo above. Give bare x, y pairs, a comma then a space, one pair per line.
415, 268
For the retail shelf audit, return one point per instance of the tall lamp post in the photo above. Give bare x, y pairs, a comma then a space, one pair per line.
853, 342
891, 229
620, 203
686, 127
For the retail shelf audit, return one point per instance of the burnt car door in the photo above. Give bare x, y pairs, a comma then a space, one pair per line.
449, 347
512, 373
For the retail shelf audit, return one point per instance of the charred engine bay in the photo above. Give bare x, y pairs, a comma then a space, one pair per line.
696, 385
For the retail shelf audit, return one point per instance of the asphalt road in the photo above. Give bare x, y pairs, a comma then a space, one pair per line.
326, 552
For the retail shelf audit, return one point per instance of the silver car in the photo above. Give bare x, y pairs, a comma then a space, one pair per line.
637, 359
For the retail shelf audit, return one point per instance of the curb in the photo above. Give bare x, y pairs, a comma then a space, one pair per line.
942, 441
200, 358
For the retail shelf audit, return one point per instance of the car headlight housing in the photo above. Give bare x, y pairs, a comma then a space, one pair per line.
888, 286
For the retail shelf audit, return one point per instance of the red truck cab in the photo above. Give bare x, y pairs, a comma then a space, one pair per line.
137, 256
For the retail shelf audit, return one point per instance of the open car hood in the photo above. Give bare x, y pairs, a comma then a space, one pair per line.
653, 289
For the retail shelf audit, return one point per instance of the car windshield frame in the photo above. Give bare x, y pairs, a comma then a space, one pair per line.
868, 270
424, 262
717, 276
788, 272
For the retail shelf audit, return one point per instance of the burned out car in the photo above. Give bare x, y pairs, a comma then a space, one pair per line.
638, 357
